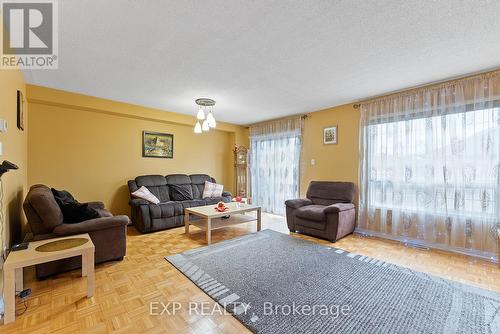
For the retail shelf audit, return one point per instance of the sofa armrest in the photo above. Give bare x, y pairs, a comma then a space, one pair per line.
91, 225
95, 205
137, 202
298, 203
338, 207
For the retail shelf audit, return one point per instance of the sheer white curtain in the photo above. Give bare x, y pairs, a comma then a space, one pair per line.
430, 166
274, 163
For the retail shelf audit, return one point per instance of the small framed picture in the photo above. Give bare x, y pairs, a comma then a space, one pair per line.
20, 110
330, 135
157, 145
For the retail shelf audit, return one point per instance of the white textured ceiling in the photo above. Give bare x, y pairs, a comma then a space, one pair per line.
266, 59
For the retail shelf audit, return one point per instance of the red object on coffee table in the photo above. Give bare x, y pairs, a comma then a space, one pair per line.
221, 207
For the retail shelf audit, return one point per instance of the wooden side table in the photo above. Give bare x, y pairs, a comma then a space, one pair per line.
16, 261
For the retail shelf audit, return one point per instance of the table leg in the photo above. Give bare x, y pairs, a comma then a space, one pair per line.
9, 295
186, 222
19, 279
84, 266
88, 259
259, 220
209, 231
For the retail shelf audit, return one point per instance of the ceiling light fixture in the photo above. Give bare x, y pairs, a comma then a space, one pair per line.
197, 127
205, 126
209, 120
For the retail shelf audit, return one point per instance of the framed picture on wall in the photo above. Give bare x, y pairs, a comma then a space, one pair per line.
20, 110
157, 145
330, 135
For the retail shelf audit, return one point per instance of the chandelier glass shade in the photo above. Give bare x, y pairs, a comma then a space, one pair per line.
204, 120
201, 114
211, 120
197, 127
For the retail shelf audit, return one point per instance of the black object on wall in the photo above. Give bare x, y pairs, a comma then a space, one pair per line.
6, 166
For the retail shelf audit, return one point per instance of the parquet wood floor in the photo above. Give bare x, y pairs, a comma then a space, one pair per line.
124, 290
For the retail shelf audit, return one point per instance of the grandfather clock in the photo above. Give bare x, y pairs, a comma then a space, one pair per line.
241, 175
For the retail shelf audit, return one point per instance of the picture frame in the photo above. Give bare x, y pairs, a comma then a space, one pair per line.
157, 145
20, 110
330, 135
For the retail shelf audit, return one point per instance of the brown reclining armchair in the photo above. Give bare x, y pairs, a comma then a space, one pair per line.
108, 233
327, 212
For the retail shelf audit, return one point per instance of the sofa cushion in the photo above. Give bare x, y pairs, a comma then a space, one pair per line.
178, 179
178, 209
162, 210
182, 181
156, 184
215, 200
192, 203
198, 184
311, 212
308, 225
181, 192
151, 180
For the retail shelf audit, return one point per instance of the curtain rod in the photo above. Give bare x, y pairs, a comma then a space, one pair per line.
470, 76
303, 117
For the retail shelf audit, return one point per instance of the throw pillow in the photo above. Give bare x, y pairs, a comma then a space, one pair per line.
144, 193
180, 192
212, 190
73, 212
63, 195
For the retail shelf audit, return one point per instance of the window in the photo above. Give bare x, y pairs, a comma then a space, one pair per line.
430, 166
440, 165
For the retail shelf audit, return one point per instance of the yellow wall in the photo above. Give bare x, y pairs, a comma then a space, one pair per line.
15, 149
92, 146
333, 162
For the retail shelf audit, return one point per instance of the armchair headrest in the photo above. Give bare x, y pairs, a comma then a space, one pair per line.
331, 192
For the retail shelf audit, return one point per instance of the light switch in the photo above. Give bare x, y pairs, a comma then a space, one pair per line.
313, 162
1, 148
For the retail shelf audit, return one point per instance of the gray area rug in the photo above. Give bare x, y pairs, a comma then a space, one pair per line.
275, 283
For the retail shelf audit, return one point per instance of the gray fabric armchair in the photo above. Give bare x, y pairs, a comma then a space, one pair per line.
327, 212
108, 232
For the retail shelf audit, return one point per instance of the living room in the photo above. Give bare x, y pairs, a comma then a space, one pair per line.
265, 167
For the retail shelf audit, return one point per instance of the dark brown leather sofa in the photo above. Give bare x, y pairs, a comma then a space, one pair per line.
168, 213
108, 233
327, 212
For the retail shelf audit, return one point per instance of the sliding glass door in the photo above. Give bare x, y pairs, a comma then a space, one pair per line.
274, 166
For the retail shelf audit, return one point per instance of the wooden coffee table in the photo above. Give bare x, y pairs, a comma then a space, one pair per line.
211, 219
16, 261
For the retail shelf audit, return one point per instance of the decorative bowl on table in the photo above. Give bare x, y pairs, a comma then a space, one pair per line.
221, 207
